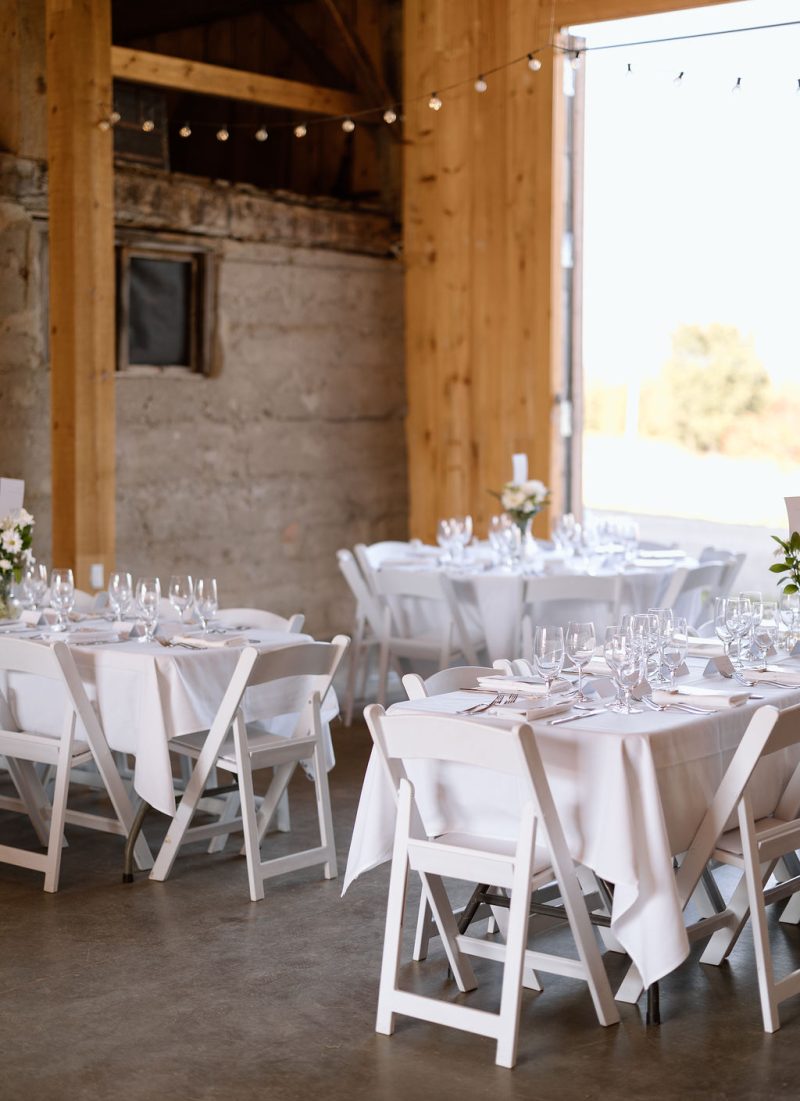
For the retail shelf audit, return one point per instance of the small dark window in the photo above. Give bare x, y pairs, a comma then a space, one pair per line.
164, 309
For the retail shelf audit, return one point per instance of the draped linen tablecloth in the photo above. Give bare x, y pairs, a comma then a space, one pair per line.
630, 790
146, 694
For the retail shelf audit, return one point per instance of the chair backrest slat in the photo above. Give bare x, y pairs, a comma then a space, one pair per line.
446, 680
258, 617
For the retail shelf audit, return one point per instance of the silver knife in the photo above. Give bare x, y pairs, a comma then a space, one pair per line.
577, 718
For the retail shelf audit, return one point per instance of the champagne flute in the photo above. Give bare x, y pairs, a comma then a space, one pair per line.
205, 600
180, 593
580, 650
62, 596
676, 648
120, 593
148, 598
548, 654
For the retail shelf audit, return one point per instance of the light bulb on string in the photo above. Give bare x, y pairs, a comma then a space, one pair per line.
738, 85
104, 124
480, 85
223, 133
148, 126
389, 116
185, 131
630, 68
261, 134
576, 60
114, 117
301, 130
534, 63
435, 102
348, 126
679, 78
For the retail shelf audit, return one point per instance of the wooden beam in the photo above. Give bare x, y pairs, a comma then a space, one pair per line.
81, 235
370, 80
22, 84
216, 80
571, 13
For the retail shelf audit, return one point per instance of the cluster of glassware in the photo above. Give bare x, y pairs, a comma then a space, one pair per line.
143, 598
454, 535
591, 544
635, 650
749, 626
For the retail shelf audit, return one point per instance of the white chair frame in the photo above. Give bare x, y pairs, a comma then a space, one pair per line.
408, 736
685, 582
312, 665
256, 617
605, 590
367, 627
22, 750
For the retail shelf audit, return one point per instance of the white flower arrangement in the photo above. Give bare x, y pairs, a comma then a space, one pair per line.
16, 536
523, 500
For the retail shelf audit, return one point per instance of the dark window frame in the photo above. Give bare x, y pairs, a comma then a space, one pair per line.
202, 321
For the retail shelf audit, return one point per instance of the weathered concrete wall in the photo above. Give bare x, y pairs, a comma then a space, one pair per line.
294, 448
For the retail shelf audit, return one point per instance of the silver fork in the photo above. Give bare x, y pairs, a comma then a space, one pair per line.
477, 708
687, 707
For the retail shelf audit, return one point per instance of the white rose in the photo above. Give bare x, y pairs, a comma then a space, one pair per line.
12, 542
5, 564
512, 497
534, 488
23, 518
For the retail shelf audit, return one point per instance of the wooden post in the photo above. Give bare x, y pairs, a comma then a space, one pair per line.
81, 205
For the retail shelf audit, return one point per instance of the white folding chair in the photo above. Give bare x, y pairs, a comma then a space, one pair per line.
299, 677
366, 630
690, 591
579, 597
421, 620
80, 743
518, 866
371, 557
255, 617
446, 680
733, 564
754, 846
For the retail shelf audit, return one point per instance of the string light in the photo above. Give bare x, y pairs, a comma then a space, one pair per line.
534, 63
480, 85
185, 131
435, 102
630, 70
738, 85
261, 134
576, 61
348, 126
114, 117
390, 116
104, 124
679, 78
300, 131
223, 133
148, 126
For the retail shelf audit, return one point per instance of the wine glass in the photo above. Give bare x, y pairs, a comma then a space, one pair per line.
148, 598
721, 628
461, 530
756, 608
445, 538
626, 659
34, 584
548, 654
676, 647
62, 596
205, 600
120, 593
738, 616
180, 593
645, 631
580, 650
665, 620
765, 634
504, 539
790, 613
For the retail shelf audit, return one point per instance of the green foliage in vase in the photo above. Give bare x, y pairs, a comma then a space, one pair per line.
789, 567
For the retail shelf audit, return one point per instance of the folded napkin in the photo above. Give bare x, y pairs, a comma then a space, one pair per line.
780, 673
528, 711
597, 667
524, 685
706, 698
202, 642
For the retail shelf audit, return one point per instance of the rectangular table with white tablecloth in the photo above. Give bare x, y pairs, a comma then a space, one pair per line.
146, 693
631, 791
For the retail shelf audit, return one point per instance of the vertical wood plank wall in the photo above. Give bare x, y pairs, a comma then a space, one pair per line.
480, 249
81, 208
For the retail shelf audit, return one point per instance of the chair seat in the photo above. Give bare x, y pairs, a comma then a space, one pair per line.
33, 741
190, 745
496, 845
731, 842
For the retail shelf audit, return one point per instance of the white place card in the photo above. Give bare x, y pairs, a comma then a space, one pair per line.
12, 494
720, 664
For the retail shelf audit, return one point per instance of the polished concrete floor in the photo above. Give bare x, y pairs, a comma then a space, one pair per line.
186, 989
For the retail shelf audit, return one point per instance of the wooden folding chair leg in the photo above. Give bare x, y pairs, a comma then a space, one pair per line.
57, 816
184, 814
516, 943
29, 786
249, 816
323, 794
424, 931
230, 812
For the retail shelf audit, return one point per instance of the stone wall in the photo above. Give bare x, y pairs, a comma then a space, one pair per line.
293, 448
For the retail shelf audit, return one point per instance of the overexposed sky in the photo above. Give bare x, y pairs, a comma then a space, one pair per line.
692, 191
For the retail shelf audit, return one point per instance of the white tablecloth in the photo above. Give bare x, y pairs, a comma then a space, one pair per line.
631, 791
146, 694
493, 597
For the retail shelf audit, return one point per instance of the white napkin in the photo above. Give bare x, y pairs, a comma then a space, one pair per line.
775, 673
597, 667
705, 647
706, 698
523, 685
528, 711
201, 642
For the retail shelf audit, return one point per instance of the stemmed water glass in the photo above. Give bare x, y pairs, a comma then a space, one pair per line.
756, 611
62, 596
676, 647
738, 617
721, 627
665, 621
548, 654
626, 661
120, 593
504, 539
580, 650
765, 634
148, 599
180, 593
205, 600
645, 630
790, 614
34, 584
